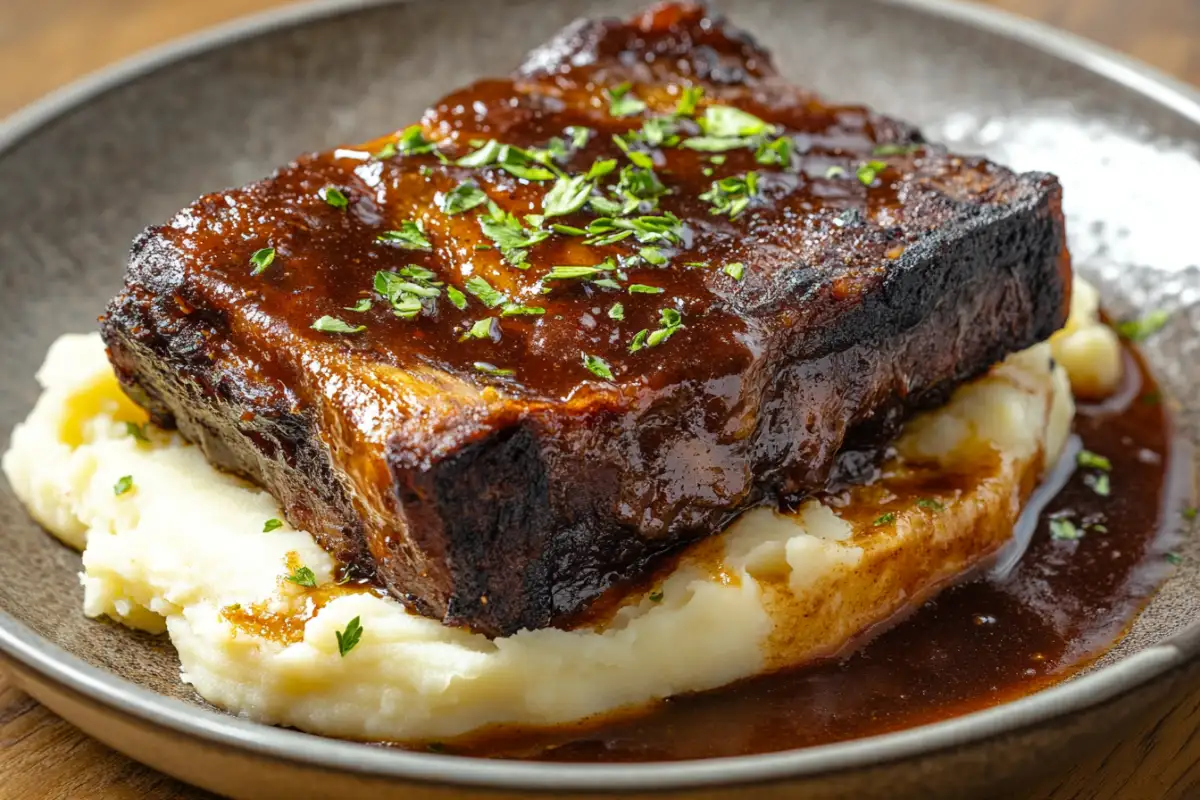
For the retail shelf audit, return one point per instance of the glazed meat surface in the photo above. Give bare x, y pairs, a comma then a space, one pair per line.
508, 359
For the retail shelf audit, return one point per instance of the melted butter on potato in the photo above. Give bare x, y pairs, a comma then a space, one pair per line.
184, 551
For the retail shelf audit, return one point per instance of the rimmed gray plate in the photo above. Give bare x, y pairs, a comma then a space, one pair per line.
84, 170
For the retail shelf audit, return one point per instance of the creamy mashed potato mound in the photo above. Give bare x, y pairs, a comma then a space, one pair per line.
184, 551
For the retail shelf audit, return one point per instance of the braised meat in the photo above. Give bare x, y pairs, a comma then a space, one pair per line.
508, 358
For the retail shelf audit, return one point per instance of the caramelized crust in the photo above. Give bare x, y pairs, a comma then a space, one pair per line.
505, 502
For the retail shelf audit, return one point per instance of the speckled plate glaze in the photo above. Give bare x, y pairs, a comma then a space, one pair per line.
84, 170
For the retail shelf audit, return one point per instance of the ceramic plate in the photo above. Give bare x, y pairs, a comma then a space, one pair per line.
84, 170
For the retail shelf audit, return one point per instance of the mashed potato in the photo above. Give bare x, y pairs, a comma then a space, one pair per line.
181, 547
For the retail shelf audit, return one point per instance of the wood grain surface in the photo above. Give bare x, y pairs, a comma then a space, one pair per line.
45, 43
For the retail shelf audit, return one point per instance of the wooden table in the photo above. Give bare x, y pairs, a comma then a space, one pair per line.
45, 43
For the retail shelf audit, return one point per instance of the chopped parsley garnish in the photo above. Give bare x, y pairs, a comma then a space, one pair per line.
776, 153
656, 596
261, 259
406, 290
1137, 330
597, 366
138, 432
1087, 458
653, 255
411, 236
526, 164
622, 102
1173, 558
1064, 530
1099, 483
686, 106
641, 288
328, 324
617, 312
1190, 513
566, 196
895, 149
512, 239
483, 290
579, 135
302, 576
272, 525
570, 272
731, 195
600, 168
123, 485
835, 172
728, 121
514, 310
482, 157
363, 304
413, 142
334, 197
670, 321
464, 197
884, 519
647, 229
568, 230
456, 297
869, 171
346, 640
931, 504
660, 131
735, 270
639, 158
493, 370
385, 152
486, 328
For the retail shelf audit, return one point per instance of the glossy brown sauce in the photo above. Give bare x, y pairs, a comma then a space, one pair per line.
976, 645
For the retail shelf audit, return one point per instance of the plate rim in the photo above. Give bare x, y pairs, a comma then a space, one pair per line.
57, 665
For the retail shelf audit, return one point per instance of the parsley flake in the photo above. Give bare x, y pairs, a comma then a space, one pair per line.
411, 236
1173, 558
736, 270
622, 102
261, 259
512, 239
930, 504
328, 324
641, 288
464, 197
272, 525
639, 158
1087, 458
869, 171
835, 172
1138, 330
656, 596
731, 195
514, 310
600, 168
617, 312
346, 640
1064, 530
493, 370
570, 272
653, 255
456, 297
483, 290
686, 107
138, 432
727, 121
302, 576
486, 328
579, 135
893, 149
1190, 513
123, 485
334, 197
1099, 483
597, 366
884, 519
566, 196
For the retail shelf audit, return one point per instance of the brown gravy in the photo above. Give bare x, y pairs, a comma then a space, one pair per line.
974, 646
